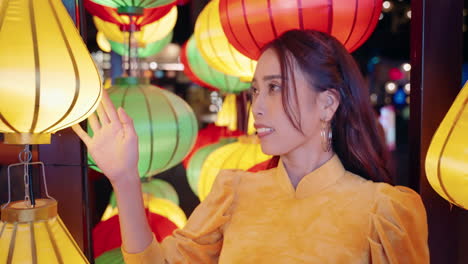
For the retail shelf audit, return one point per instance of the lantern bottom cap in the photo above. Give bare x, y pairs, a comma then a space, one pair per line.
27, 138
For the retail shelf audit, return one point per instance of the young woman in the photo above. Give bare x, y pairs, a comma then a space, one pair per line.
328, 201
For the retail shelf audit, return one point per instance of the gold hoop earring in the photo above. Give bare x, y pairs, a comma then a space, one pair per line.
326, 135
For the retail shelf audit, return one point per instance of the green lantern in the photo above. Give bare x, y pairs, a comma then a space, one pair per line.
157, 188
165, 124
143, 52
132, 6
200, 68
113, 256
196, 162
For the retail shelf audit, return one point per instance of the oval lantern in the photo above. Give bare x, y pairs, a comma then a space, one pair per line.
447, 156
196, 162
189, 72
223, 82
165, 124
49, 80
147, 34
250, 25
123, 19
134, 4
241, 155
150, 49
215, 47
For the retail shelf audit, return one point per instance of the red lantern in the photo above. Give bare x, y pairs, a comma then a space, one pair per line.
106, 234
209, 135
189, 72
110, 14
266, 165
250, 25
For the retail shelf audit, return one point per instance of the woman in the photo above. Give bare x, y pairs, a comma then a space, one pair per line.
328, 201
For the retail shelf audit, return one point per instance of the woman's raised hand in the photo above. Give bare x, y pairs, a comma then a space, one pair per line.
114, 145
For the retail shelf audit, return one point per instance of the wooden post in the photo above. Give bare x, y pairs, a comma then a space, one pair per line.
436, 60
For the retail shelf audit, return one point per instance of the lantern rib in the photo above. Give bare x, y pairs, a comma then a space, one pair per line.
119, 3
75, 69
11, 249
439, 172
177, 129
33, 243
3, 119
2, 13
54, 243
69, 237
37, 67
354, 22
150, 117
367, 29
3, 228
299, 14
272, 22
230, 29
247, 25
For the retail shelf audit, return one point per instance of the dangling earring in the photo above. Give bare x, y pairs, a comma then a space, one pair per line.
326, 135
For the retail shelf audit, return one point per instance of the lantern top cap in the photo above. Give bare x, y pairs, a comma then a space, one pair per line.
18, 211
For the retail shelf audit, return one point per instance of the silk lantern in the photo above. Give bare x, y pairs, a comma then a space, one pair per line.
250, 25
189, 72
215, 47
165, 124
133, 4
49, 80
127, 17
113, 256
147, 34
223, 82
447, 156
196, 162
241, 155
150, 49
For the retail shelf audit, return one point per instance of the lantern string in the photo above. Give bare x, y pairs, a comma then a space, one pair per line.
25, 157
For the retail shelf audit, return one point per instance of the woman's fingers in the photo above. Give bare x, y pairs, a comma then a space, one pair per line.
81, 133
94, 122
127, 122
102, 115
109, 107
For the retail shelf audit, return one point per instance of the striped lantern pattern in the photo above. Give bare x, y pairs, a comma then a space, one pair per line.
133, 3
250, 25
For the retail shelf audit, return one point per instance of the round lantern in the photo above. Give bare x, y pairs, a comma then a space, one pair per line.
155, 187
223, 82
107, 236
147, 34
209, 135
241, 155
196, 162
133, 4
49, 80
155, 205
189, 72
166, 125
250, 25
447, 159
149, 50
215, 47
125, 19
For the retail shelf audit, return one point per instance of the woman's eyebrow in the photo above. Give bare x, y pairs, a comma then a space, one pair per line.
270, 77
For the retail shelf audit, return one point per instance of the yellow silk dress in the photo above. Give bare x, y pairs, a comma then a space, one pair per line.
333, 216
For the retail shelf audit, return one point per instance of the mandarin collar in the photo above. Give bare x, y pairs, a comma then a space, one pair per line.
314, 182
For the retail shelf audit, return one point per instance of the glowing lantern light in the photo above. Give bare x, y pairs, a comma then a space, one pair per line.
134, 4
166, 125
250, 25
189, 72
198, 65
49, 80
102, 42
239, 155
215, 48
227, 115
446, 160
150, 49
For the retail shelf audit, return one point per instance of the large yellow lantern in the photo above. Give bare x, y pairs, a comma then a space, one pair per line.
227, 115
147, 34
48, 80
447, 157
239, 155
215, 47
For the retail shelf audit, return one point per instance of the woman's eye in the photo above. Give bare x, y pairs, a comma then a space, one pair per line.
253, 90
274, 87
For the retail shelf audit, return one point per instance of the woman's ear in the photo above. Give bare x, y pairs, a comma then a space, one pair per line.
329, 101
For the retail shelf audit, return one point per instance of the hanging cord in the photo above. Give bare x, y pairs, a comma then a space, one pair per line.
25, 157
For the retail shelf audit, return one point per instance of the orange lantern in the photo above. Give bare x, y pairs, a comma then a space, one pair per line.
250, 25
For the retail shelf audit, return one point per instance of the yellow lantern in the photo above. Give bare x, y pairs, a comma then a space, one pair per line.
447, 157
102, 42
239, 155
227, 115
215, 47
48, 78
147, 34
160, 206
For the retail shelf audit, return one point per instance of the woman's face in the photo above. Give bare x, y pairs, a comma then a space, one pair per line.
277, 134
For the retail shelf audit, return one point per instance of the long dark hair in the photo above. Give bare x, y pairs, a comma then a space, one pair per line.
326, 64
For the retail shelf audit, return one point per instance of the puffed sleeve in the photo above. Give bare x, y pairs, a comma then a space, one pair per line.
398, 227
201, 239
